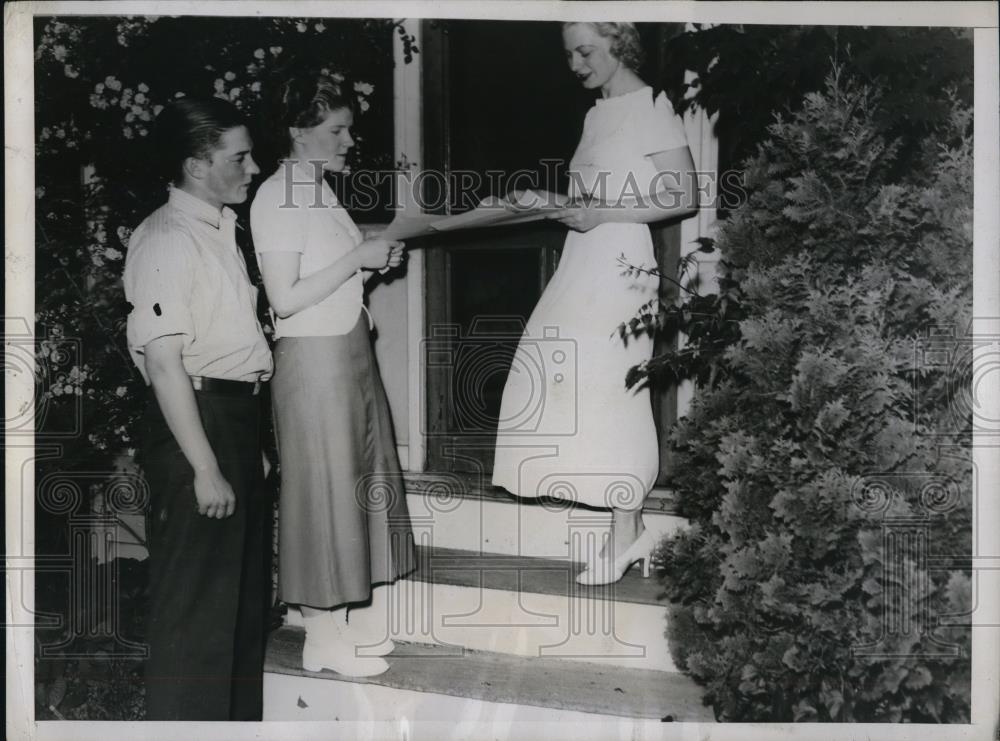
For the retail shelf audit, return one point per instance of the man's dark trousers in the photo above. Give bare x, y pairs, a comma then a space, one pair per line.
208, 593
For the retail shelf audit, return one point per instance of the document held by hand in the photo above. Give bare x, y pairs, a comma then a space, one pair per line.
528, 206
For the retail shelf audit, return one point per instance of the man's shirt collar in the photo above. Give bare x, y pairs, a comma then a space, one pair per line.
199, 209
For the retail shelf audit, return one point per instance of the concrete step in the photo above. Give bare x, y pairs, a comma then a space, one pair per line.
492, 688
529, 607
450, 510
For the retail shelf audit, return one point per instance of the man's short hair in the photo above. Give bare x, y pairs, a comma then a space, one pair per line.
192, 127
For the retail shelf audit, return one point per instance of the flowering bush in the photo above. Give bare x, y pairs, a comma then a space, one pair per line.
100, 81
822, 441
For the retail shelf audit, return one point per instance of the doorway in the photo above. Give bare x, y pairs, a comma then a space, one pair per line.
501, 111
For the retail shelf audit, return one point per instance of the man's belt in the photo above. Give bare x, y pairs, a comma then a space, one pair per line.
225, 386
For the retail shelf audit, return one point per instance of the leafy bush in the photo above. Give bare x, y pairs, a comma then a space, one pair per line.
806, 457
747, 73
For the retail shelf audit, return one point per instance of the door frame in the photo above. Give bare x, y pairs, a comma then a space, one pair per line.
428, 124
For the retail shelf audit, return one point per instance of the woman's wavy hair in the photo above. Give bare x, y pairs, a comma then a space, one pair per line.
300, 96
625, 44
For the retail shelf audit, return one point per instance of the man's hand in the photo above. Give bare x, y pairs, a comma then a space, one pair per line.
214, 494
176, 398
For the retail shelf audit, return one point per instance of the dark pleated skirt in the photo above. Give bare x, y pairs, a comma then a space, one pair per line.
343, 520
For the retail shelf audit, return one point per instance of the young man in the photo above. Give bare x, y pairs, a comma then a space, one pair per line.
194, 335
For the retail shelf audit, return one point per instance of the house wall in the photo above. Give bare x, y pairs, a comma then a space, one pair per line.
388, 303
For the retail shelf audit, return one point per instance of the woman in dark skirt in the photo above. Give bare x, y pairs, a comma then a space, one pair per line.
344, 527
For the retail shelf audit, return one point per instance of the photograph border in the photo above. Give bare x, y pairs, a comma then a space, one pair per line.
20, 302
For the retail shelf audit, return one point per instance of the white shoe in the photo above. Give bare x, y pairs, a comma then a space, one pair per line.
369, 638
608, 570
326, 647
368, 626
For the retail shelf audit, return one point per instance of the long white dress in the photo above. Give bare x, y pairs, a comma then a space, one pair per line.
568, 428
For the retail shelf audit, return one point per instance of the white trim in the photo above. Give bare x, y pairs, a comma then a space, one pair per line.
704, 145
409, 146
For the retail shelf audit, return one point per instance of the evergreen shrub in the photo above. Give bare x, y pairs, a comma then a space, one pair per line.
828, 467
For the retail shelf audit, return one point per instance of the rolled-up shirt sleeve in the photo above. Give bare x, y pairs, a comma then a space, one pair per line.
158, 284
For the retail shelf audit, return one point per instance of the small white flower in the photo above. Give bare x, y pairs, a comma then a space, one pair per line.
59, 52
320, 27
112, 83
99, 88
219, 85
259, 54
112, 254
129, 117
140, 97
127, 132
121, 391
79, 391
235, 92
363, 105
39, 192
364, 88
179, 94
255, 87
230, 76
275, 50
143, 87
301, 27
70, 71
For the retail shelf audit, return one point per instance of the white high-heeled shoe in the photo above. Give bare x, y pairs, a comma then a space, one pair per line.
327, 647
610, 570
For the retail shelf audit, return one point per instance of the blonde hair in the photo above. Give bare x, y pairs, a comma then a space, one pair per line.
625, 44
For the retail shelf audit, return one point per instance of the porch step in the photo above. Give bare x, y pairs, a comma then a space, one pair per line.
465, 511
529, 607
484, 677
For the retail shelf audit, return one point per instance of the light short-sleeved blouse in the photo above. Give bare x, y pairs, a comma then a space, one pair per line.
619, 133
293, 213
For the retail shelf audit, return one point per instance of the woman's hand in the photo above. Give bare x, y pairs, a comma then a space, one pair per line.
579, 218
396, 256
378, 254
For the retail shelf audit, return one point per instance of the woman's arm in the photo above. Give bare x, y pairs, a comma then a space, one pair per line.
676, 197
289, 294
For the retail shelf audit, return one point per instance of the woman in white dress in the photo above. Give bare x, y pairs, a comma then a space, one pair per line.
579, 434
